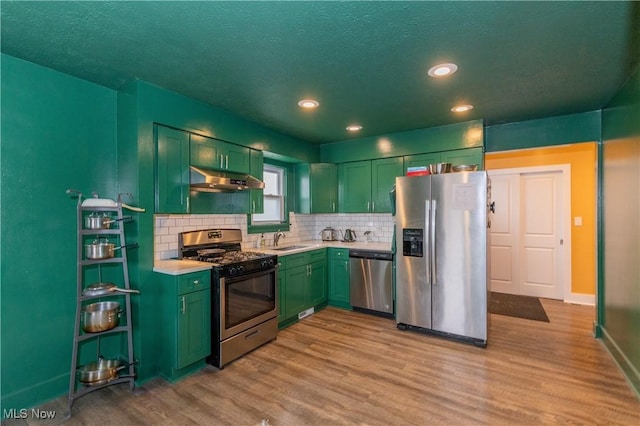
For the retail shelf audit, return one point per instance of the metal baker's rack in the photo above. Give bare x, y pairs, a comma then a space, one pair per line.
106, 208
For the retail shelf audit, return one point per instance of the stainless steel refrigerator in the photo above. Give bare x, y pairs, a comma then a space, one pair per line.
442, 260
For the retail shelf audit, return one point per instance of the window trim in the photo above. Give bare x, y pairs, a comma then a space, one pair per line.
273, 226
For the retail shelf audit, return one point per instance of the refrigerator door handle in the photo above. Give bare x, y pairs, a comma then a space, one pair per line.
432, 236
427, 244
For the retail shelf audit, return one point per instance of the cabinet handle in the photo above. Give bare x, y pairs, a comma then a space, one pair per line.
333, 207
253, 206
221, 161
196, 282
368, 206
187, 204
226, 161
184, 305
373, 207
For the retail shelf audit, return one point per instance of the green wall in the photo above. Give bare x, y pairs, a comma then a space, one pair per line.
559, 130
58, 132
619, 295
443, 138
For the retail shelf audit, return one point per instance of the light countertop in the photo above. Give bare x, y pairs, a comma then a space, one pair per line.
317, 244
180, 267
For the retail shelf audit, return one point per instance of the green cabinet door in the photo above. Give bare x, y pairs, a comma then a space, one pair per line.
172, 171
316, 188
464, 156
420, 160
324, 188
339, 277
235, 158
354, 187
383, 177
219, 155
317, 283
194, 326
205, 152
297, 290
282, 301
256, 197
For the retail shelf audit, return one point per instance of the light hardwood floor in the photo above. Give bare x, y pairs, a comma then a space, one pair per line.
339, 367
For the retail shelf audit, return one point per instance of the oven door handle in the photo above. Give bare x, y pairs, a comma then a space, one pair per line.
243, 277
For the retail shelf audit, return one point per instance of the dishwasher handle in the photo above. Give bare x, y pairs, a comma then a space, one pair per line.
368, 254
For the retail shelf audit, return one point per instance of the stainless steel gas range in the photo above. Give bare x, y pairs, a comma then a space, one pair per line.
244, 305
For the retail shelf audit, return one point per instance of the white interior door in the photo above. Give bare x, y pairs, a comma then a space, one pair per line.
504, 233
541, 235
527, 241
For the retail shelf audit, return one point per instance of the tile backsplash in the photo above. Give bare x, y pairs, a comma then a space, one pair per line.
304, 227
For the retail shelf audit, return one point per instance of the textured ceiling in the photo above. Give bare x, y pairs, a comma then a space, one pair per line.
366, 62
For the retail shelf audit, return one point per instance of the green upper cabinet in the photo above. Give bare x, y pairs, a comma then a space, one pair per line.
354, 187
172, 170
316, 188
205, 152
257, 170
236, 158
455, 157
363, 186
464, 156
216, 154
383, 177
420, 160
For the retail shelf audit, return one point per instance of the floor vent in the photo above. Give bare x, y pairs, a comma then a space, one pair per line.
306, 313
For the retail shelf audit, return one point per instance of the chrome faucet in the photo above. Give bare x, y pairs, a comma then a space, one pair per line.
276, 237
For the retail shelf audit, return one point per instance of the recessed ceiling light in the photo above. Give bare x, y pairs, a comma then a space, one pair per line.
462, 108
354, 127
442, 70
309, 103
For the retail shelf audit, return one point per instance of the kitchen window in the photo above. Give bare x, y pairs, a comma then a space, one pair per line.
275, 214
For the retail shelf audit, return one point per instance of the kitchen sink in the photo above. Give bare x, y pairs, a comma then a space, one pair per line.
288, 248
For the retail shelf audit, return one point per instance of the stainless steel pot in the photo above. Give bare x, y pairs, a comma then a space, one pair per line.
439, 168
465, 168
101, 248
100, 316
103, 289
100, 372
101, 221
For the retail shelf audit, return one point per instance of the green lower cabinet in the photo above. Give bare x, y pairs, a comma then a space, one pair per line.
339, 278
297, 290
185, 323
318, 283
303, 284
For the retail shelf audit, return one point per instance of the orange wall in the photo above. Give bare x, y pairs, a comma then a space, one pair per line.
583, 160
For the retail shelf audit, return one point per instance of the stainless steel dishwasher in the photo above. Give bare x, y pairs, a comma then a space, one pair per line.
370, 275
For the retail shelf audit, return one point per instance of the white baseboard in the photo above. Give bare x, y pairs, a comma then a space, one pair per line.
581, 299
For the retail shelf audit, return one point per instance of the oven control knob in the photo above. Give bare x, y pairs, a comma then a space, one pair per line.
270, 262
240, 268
232, 270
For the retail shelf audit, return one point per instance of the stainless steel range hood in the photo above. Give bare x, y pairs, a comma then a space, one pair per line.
209, 180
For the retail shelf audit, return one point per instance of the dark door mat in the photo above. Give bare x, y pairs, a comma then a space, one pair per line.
513, 305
